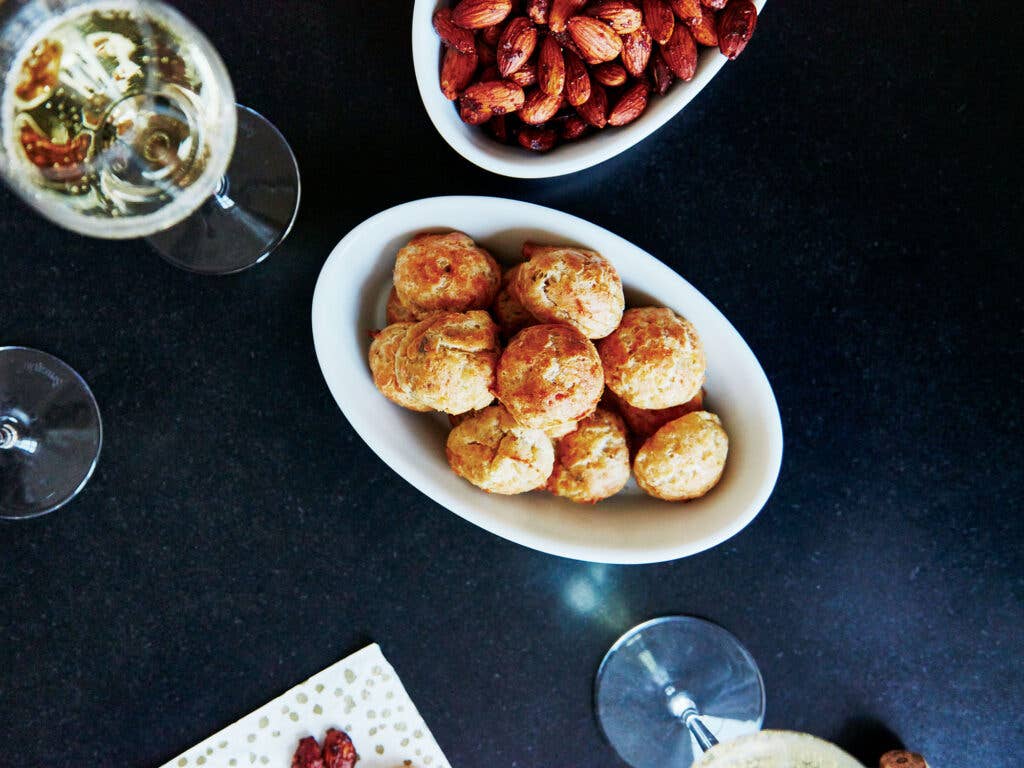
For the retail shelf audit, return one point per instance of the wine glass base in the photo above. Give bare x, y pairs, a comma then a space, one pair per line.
50, 433
252, 212
660, 669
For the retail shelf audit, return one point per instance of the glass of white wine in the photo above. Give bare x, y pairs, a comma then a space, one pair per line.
118, 121
679, 691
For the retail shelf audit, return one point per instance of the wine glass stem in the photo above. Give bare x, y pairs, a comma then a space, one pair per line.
8, 436
700, 732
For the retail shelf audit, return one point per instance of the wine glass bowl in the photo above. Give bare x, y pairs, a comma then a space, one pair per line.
118, 117
50, 433
675, 686
118, 120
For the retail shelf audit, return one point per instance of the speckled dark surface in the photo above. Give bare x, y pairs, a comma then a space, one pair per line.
848, 193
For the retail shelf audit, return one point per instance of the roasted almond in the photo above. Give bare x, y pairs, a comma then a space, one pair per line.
686, 10
477, 14
451, 34
622, 16
516, 45
595, 39
661, 75
611, 74
560, 12
715, 5
457, 70
537, 139
573, 127
539, 107
704, 29
658, 18
551, 67
538, 10
736, 26
630, 106
595, 109
482, 101
636, 51
577, 80
681, 53
524, 76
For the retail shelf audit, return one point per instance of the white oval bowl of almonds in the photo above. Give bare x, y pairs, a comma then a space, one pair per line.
639, 93
722, 454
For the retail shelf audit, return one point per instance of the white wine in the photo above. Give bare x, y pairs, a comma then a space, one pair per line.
109, 112
776, 749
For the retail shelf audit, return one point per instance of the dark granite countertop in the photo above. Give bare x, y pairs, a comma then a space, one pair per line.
847, 193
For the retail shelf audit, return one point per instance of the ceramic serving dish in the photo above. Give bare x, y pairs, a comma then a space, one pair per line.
349, 302
478, 147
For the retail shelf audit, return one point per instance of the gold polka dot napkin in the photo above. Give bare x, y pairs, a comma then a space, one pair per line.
361, 694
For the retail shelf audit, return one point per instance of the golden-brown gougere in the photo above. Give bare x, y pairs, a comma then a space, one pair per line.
383, 351
592, 463
549, 375
654, 359
493, 451
509, 313
643, 423
573, 286
445, 273
447, 362
684, 459
396, 313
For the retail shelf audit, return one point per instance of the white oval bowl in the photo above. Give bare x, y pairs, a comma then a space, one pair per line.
631, 527
474, 144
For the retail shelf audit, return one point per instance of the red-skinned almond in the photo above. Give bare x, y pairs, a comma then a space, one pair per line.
516, 45
477, 14
595, 109
686, 10
457, 72
537, 139
660, 73
577, 80
573, 127
658, 18
560, 12
704, 29
610, 74
451, 34
524, 76
636, 51
539, 107
622, 16
630, 106
681, 53
482, 101
551, 67
595, 39
736, 26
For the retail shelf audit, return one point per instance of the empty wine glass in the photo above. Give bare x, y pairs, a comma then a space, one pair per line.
50, 433
673, 687
118, 120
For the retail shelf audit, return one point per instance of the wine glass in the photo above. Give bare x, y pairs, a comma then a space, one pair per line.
673, 687
50, 433
118, 120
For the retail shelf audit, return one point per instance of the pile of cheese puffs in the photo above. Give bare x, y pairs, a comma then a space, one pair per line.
548, 380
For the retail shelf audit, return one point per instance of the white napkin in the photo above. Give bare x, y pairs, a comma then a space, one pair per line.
361, 694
